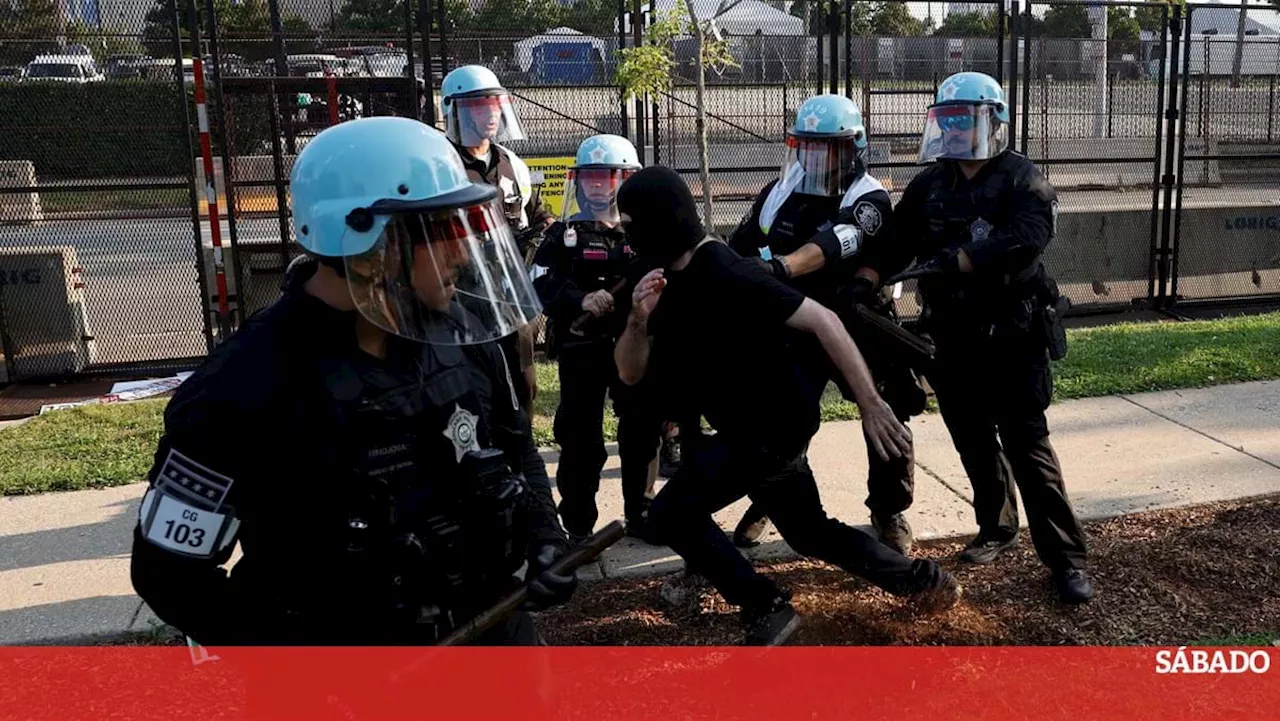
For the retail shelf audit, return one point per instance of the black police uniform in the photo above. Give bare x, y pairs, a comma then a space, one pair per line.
579, 258
375, 501
499, 172
994, 329
890, 484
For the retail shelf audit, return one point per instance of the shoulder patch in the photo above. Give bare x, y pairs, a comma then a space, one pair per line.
868, 217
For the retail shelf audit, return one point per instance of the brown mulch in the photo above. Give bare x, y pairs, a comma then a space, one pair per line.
1162, 578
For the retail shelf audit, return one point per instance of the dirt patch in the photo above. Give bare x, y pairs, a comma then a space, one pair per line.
1162, 578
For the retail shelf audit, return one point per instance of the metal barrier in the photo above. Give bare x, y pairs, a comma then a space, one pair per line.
1162, 139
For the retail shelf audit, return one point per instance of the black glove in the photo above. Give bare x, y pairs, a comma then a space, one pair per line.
774, 267
943, 263
860, 291
547, 589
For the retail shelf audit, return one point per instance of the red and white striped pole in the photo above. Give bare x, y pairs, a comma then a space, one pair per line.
211, 194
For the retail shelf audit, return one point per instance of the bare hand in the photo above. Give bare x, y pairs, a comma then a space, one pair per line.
598, 303
887, 436
645, 297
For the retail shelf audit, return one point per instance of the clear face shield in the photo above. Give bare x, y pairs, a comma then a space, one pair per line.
962, 132
592, 194
448, 277
825, 164
475, 119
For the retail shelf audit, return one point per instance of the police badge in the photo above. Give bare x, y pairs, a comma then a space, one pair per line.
979, 230
868, 217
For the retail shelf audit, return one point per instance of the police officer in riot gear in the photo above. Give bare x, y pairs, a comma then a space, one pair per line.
383, 482
479, 116
808, 227
580, 272
976, 222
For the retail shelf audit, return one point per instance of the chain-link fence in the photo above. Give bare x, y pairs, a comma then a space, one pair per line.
1162, 139
99, 239
1226, 240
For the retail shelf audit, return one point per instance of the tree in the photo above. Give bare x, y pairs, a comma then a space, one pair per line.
650, 69
892, 19
1067, 21
967, 25
241, 18
36, 19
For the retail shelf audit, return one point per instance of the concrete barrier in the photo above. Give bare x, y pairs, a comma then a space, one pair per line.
19, 207
45, 322
246, 169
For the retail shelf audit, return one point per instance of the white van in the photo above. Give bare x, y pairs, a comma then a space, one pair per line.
64, 69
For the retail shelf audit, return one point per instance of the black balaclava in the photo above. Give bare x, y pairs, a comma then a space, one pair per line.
664, 218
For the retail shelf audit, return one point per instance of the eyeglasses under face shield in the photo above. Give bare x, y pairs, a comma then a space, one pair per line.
448, 277
820, 166
591, 194
962, 131
473, 119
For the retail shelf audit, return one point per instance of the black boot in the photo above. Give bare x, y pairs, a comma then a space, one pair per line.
771, 625
1073, 585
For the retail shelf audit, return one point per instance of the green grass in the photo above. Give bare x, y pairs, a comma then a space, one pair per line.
86, 447
1137, 357
97, 446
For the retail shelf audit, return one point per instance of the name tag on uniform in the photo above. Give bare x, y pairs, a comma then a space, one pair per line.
595, 254
182, 528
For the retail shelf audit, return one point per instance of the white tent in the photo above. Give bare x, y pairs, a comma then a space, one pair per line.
741, 17
525, 48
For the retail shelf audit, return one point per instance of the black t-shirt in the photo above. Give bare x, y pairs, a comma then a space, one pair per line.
721, 348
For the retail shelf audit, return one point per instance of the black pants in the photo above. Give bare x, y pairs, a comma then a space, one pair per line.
993, 393
587, 373
719, 473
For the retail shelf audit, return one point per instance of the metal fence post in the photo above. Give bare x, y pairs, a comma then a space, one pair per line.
1026, 68
428, 69
817, 38
1172, 257
184, 121
1000, 28
228, 162
833, 31
278, 162
1172, 115
848, 49
443, 18
1014, 30
1154, 248
625, 131
282, 66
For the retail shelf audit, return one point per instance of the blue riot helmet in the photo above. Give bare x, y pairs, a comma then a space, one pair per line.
603, 162
968, 120
427, 254
826, 147
477, 108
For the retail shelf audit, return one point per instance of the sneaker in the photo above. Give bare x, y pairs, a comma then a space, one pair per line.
772, 626
1074, 586
669, 457
751, 528
894, 532
982, 550
940, 597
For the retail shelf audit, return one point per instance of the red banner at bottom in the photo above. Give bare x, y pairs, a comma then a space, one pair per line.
615, 684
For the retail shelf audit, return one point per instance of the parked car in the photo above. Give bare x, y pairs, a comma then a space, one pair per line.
63, 68
12, 74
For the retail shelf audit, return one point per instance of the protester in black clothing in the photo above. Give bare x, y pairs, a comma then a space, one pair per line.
716, 335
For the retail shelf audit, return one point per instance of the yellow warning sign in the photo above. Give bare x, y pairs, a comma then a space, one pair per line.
554, 174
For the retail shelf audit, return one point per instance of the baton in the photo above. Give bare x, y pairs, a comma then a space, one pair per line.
579, 325
487, 619
920, 350
917, 272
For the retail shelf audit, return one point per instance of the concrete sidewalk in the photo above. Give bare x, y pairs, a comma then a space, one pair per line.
64, 557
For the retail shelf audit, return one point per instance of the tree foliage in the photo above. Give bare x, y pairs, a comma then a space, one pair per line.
1067, 21
892, 19
967, 25
651, 67
235, 18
